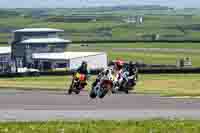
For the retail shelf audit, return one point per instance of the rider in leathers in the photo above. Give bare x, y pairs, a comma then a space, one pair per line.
130, 74
101, 75
83, 69
116, 71
132, 68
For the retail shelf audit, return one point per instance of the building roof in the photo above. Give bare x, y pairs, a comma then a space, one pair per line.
5, 50
39, 30
64, 55
45, 40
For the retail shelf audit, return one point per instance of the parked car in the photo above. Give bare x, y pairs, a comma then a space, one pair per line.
28, 71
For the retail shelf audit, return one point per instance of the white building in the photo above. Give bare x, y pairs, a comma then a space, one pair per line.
5, 58
71, 60
27, 41
57, 60
43, 49
134, 20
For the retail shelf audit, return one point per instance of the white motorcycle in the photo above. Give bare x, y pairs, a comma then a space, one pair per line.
103, 85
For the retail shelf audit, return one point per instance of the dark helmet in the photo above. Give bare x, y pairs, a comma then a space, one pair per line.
131, 63
84, 62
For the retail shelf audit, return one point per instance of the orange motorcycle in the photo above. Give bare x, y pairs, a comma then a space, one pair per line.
78, 83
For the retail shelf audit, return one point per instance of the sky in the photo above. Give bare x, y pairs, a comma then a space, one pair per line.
89, 3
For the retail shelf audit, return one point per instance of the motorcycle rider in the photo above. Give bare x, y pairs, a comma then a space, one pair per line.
130, 75
118, 71
115, 70
118, 65
83, 69
132, 68
101, 75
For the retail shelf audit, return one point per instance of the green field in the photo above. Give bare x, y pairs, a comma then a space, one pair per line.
158, 57
109, 24
155, 57
146, 126
163, 84
172, 46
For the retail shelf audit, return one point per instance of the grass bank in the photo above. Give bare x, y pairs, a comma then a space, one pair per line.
147, 126
170, 84
163, 84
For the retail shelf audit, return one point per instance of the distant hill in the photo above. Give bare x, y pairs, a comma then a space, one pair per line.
7, 13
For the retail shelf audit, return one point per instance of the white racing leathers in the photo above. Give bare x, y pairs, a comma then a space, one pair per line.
118, 79
107, 74
116, 76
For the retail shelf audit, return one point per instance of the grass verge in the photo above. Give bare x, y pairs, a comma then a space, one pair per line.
170, 84
146, 126
163, 84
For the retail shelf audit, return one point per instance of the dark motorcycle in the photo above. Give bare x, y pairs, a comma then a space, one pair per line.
78, 83
128, 82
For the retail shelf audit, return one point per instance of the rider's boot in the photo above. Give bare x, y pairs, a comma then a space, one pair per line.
116, 87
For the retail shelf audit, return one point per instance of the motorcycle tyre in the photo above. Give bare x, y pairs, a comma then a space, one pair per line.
70, 91
93, 94
77, 91
103, 94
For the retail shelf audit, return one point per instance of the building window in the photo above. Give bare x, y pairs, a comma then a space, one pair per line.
19, 62
61, 65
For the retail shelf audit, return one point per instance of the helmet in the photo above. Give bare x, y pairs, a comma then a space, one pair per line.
119, 63
84, 63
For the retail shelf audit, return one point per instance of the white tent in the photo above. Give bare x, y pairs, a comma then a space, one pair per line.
95, 60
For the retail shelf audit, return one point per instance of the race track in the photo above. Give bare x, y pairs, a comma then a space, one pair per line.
43, 105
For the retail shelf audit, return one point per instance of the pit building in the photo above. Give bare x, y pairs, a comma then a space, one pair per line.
44, 49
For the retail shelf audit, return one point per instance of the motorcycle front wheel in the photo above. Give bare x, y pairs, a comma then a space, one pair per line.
77, 91
70, 91
93, 93
103, 93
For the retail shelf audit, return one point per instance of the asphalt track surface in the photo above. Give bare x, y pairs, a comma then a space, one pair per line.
43, 105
